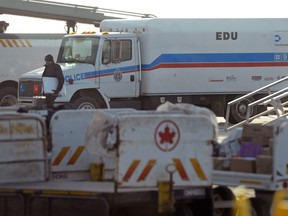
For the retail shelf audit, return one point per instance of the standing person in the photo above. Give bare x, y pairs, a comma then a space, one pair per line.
52, 70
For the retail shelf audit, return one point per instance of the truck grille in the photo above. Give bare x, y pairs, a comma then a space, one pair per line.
30, 88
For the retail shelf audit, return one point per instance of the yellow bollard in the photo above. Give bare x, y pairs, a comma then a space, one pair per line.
97, 171
280, 203
165, 197
242, 206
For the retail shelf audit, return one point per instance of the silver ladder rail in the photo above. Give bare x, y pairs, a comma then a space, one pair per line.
273, 99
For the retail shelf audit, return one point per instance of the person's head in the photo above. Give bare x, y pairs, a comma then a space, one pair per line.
49, 59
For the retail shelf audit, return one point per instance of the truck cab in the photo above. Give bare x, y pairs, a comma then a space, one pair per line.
87, 60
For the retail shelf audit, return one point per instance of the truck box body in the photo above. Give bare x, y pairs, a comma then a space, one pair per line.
208, 55
146, 62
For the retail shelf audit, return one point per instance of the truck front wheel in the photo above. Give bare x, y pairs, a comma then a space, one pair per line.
8, 96
86, 103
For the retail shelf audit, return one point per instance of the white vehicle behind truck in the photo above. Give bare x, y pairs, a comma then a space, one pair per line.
119, 162
146, 62
20, 53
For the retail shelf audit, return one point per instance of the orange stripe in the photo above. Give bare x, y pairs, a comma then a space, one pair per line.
181, 170
146, 170
131, 170
60, 156
76, 155
9, 43
2, 42
28, 43
22, 43
198, 169
15, 43
250, 182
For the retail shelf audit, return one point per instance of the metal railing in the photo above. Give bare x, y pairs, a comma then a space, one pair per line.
273, 98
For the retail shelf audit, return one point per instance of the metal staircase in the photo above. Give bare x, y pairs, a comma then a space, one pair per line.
274, 99
71, 13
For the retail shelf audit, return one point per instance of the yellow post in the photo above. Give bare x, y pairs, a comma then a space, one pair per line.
280, 203
97, 171
242, 207
165, 197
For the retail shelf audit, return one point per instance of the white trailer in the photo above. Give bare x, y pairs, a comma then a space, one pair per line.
138, 153
20, 53
143, 63
261, 175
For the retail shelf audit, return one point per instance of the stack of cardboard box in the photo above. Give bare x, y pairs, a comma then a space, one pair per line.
256, 150
255, 155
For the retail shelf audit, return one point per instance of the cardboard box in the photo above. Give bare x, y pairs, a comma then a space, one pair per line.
264, 164
247, 165
221, 163
266, 151
257, 133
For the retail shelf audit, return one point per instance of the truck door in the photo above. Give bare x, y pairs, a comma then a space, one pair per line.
119, 68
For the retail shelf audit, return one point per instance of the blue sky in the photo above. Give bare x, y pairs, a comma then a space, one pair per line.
176, 9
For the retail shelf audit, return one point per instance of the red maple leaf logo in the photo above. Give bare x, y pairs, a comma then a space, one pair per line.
167, 136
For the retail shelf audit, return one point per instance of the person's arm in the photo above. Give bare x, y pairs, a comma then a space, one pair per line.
44, 71
60, 77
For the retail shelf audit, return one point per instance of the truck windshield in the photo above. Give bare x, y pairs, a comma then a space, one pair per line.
78, 50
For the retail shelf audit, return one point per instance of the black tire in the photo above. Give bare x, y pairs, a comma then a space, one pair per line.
8, 96
86, 103
258, 207
183, 210
147, 209
239, 110
223, 194
201, 207
65, 106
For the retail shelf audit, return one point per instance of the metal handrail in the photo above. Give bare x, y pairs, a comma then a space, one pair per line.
269, 99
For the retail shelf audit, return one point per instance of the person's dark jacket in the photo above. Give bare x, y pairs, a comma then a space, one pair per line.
54, 70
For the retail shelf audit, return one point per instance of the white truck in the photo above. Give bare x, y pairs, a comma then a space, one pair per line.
143, 63
19, 54
119, 162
